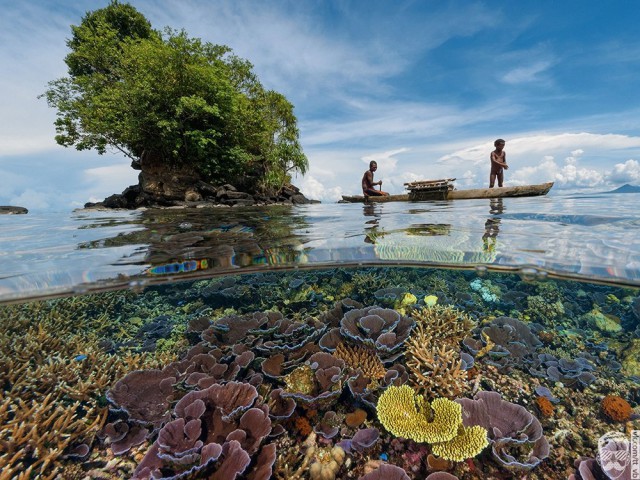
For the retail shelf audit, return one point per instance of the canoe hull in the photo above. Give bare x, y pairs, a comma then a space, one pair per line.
499, 192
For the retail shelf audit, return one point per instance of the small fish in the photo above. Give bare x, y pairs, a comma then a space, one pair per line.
79, 358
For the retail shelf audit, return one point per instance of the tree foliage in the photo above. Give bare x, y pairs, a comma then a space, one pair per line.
174, 98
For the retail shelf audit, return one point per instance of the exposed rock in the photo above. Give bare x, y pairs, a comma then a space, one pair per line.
163, 185
9, 210
156, 193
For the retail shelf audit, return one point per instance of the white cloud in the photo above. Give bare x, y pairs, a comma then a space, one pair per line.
386, 160
32, 200
110, 178
526, 74
627, 172
315, 190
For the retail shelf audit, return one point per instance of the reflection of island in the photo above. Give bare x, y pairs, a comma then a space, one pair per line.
181, 242
492, 225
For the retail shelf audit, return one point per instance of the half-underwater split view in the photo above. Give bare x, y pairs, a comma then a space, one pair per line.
322, 342
330, 240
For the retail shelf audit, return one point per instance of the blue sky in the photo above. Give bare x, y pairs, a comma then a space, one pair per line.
423, 87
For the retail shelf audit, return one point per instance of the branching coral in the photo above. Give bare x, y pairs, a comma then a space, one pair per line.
444, 323
432, 351
435, 370
54, 374
361, 358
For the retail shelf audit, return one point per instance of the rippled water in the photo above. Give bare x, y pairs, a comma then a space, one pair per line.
590, 236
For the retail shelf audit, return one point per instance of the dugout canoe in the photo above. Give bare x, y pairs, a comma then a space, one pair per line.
498, 192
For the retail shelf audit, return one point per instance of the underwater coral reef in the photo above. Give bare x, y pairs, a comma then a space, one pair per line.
340, 373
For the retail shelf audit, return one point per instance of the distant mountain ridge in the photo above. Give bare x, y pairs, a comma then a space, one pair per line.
626, 188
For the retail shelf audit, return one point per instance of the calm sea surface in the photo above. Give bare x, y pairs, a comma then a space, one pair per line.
469, 339
592, 236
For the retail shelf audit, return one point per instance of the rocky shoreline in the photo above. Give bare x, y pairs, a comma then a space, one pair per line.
200, 195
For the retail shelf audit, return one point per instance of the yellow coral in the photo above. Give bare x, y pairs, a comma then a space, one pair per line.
408, 415
430, 300
444, 323
405, 302
467, 444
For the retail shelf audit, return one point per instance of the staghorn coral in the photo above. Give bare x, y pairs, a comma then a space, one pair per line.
444, 323
54, 373
435, 370
361, 358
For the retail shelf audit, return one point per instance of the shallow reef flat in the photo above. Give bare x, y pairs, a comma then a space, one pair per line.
363, 373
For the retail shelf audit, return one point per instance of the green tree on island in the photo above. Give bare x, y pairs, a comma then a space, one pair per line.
175, 105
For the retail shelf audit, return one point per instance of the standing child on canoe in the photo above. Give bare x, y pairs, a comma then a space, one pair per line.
368, 183
498, 163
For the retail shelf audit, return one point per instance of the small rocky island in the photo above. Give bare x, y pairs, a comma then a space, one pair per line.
193, 117
160, 186
9, 210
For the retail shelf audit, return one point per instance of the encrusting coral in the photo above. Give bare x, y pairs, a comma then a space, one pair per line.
408, 415
616, 408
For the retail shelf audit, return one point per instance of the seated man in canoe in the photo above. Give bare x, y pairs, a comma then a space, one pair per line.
368, 183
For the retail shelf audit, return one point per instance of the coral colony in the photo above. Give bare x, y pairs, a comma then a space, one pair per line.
377, 373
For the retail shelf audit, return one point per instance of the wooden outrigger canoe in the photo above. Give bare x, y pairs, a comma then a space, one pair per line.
498, 192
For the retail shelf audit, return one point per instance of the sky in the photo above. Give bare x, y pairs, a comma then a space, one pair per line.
423, 87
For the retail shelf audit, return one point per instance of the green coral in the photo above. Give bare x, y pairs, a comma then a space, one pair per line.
603, 321
541, 308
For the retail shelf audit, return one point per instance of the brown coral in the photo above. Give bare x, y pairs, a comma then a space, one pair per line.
435, 370
361, 358
303, 426
616, 408
355, 418
444, 323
